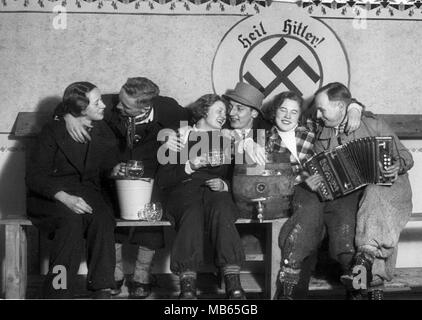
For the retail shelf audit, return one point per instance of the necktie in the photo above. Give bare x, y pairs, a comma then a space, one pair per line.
130, 133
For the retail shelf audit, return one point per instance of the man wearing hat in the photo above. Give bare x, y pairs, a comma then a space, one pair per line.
246, 119
136, 115
246, 103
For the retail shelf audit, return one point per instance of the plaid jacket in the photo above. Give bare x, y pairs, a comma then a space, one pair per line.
304, 143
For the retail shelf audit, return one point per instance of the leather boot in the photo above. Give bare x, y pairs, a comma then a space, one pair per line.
360, 260
187, 288
101, 294
234, 290
138, 290
118, 287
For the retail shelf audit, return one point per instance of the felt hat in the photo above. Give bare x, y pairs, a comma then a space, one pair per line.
246, 94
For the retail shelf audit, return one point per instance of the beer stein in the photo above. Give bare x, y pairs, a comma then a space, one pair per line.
215, 158
134, 169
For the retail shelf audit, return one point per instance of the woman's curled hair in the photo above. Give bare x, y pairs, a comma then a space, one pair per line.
278, 100
75, 98
199, 108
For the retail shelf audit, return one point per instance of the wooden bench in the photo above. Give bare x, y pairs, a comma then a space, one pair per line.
15, 267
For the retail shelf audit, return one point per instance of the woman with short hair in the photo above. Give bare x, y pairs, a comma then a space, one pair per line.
301, 234
66, 201
199, 200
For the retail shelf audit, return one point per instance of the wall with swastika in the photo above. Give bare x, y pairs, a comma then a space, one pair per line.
37, 61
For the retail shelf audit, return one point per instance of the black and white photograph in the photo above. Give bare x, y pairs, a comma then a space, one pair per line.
195, 152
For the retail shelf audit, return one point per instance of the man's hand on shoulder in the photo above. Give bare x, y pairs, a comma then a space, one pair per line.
77, 129
174, 142
354, 114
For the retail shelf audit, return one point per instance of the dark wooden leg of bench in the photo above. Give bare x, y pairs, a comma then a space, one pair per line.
15, 266
273, 253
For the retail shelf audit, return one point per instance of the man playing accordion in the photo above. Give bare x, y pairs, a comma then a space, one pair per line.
381, 211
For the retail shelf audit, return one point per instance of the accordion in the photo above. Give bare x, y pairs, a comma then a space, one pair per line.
351, 166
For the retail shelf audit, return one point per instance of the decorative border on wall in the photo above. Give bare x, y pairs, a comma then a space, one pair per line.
243, 7
390, 9
368, 8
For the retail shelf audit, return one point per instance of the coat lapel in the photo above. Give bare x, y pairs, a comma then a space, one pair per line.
95, 148
69, 148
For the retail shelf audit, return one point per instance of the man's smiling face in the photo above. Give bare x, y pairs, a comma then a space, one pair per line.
241, 116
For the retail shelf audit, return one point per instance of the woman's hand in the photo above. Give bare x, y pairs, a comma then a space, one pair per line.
76, 204
77, 129
314, 182
391, 171
198, 162
119, 170
216, 184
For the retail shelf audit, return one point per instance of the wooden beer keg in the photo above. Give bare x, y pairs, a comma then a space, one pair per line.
269, 186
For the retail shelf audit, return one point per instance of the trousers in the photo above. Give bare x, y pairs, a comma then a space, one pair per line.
67, 230
200, 213
303, 232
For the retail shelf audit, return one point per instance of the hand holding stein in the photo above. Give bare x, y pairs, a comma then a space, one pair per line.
132, 169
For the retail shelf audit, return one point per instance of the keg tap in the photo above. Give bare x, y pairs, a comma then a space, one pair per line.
259, 208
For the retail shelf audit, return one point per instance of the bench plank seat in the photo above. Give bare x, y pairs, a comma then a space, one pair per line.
16, 251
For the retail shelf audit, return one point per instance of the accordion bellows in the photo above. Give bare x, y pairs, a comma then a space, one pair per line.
351, 166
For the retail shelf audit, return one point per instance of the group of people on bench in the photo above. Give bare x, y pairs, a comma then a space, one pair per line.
91, 135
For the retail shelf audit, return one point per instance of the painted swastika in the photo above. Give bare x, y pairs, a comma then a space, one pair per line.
280, 50
281, 76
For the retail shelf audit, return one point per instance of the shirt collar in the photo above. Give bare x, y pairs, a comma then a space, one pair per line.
286, 133
139, 119
242, 132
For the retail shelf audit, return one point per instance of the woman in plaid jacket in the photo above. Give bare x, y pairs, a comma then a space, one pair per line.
299, 236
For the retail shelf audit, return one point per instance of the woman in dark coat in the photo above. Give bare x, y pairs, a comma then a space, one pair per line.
200, 202
66, 199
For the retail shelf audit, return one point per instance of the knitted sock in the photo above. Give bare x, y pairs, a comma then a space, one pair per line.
143, 265
230, 269
289, 275
289, 278
187, 274
118, 271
